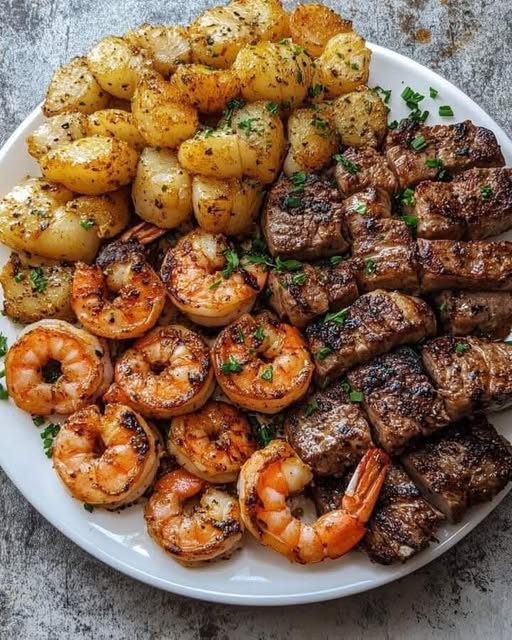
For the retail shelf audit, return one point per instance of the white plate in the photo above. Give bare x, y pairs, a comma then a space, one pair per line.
254, 575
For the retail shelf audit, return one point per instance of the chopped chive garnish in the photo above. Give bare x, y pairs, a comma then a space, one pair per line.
346, 164
407, 197
272, 107
393, 124
38, 420
3, 345
461, 347
386, 93
338, 317
215, 284
299, 279
419, 143
360, 208
3, 392
323, 353
445, 111
411, 222
370, 266
433, 92
356, 396
434, 163
19, 277
486, 192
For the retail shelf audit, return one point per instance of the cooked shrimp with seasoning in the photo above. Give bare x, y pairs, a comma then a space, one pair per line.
212, 443
166, 373
192, 520
262, 364
55, 367
274, 474
106, 460
208, 281
119, 297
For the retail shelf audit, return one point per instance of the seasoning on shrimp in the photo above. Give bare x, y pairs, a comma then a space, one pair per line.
268, 370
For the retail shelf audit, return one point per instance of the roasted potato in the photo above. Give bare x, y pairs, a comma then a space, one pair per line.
161, 113
166, 47
360, 118
36, 288
213, 153
208, 90
343, 66
107, 214
313, 139
115, 123
34, 218
270, 20
313, 25
91, 165
280, 72
65, 127
74, 88
162, 191
226, 206
117, 66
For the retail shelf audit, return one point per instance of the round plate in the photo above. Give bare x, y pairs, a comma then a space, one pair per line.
254, 575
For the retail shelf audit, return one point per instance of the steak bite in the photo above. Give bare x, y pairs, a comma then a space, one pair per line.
363, 167
455, 147
328, 432
475, 205
470, 373
371, 202
377, 322
400, 401
486, 313
469, 463
480, 265
303, 218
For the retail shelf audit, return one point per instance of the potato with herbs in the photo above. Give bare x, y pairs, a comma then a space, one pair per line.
360, 118
212, 152
65, 127
313, 139
226, 206
34, 218
115, 123
73, 87
162, 114
36, 288
313, 25
208, 90
343, 66
279, 72
167, 47
162, 191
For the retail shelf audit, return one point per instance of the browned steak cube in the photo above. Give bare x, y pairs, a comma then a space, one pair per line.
470, 373
371, 202
487, 313
437, 212
339, 282
327, 492
303, 219
457, 146
328, 431
377, 322
478, 264
364, 167
399, 399
467, 464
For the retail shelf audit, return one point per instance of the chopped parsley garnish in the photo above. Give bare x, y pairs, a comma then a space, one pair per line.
419, 143
443, 307
272, 107
486, 192
38, 280
3, 392
351, 167
411, 222
433, 92
445, 111
360, 208
298, 179
323, 353
370, 266
48, 436
208, 132
354, 66
232, 105
386, 93
239, 337
264, 433
311, 408
287, 265
356, 396
334, 260
461, 347
407, 197
299, 279
38, 420
19, 277
259, 334
434, 163
88, 507
246, 125
315, 90
3, 345
215, 284
87, 224
393, 124
231, 366
292, 202
268, 374
338, 317
322, 125
232, 263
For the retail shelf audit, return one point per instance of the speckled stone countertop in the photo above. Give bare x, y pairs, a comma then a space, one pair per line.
49, 588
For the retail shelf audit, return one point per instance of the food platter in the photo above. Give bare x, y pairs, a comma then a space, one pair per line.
254, 575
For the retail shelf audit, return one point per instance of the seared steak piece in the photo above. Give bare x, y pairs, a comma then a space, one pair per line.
399, 399
478, 264
303, 295
467, 464
476, 205
470, 373
303, 218
328, 432
457, 146
361, 168
371, 202
377, 322
486, 313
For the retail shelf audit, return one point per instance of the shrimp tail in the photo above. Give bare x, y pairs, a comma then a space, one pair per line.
365, 485
144, 233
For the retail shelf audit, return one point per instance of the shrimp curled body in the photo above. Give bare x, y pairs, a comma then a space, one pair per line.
55, 367
106, 460
275, 473
193, 533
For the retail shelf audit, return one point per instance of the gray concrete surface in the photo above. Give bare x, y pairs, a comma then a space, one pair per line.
49, 588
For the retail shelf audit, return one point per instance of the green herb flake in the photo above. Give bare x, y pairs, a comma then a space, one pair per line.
418, 143
239, 337
87, 224
299, 76
264, 433
350, 167
445, 111
316, 90
19, 277
48, 436
208, 132
231, 366
3, 392
299, 279
412, 98
385, 93
461, 347
38, 420
246, 125
360, 208
435, 163
411, 222
323, 353
232, 263
272, 107
38, 280
311, 408
287, 265
259, 334
433, 92
268, 374
370, 266
338, 317
356, 396
88, 507
292, 202
215, 284
393, 124
322, 125
354, 66
231, 107
3, 345
407, 197
443, 307
486, 192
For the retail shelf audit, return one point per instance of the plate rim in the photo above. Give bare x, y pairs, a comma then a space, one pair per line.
204, 594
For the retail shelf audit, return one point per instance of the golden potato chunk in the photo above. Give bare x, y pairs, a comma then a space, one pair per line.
213, 153
65, 127
74, 88
166, 47
360, 118
162, 191
115, 123
107, 214
91, 165
313, 25
36, 288
208, 90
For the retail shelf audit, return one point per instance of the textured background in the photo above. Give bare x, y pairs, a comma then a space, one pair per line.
49, 588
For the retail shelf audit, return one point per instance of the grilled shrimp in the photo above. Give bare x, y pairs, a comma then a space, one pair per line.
139, 296
212, 443
262, 364
106, 460
166, 373
275, 473
193, 532
55, 367
207, 280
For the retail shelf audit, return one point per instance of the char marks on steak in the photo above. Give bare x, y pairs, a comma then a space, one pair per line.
399, 399
469, 464
364, 167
